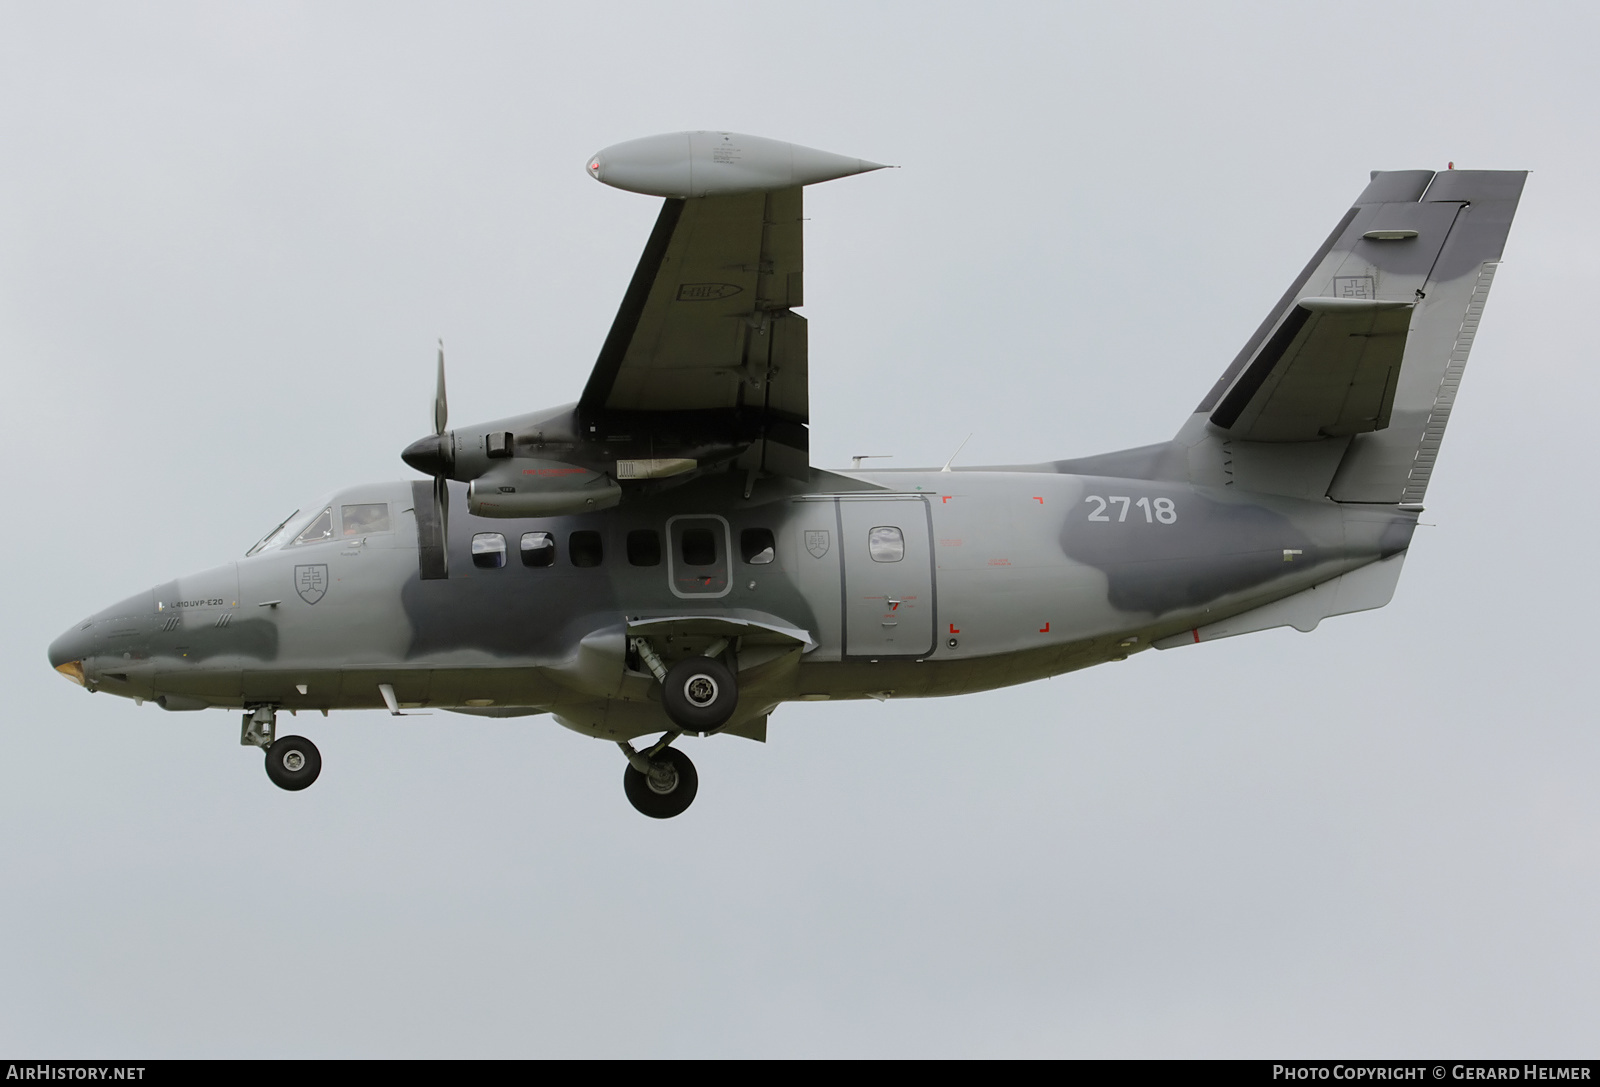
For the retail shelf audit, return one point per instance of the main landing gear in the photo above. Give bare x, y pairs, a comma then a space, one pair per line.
293, 762
660, 782
699, 694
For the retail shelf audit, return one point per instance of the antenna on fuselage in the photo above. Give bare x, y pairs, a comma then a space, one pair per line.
957, 453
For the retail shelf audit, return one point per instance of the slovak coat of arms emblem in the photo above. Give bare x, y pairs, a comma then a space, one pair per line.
817, 542
311, 582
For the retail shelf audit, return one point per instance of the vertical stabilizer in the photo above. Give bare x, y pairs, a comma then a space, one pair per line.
1345, 389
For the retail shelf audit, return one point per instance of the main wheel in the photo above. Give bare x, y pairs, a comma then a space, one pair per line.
699, 694
293, 763
667, 790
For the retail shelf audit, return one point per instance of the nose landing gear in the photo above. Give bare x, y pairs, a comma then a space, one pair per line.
293, 762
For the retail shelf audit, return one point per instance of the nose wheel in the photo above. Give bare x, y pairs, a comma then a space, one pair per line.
292, 762
660, 784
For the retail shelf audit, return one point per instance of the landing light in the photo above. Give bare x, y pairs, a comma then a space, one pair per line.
73, 670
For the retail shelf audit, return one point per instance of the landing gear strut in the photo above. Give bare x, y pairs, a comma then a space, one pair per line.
660, 782
292, 762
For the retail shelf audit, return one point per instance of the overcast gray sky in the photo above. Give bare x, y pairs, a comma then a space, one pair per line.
229, 236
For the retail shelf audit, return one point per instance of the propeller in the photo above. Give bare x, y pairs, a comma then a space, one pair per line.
441, 480
441, 409
433, 456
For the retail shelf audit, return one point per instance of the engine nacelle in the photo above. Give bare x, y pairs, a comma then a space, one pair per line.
531, 487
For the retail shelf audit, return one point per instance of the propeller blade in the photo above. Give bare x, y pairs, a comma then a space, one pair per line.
441, 502
441, 410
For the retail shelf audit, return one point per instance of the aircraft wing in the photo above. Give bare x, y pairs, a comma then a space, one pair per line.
707, 325
1329, 370
708, 322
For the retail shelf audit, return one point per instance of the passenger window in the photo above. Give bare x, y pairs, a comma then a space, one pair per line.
699, 547
365, 518
644, 547
538, 549
584, 547
886, 544
756, 545
488, 550
321, 528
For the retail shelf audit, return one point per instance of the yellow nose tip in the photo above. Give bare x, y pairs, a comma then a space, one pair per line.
73, 670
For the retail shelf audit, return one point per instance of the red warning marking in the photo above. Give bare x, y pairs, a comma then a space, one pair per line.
943, 498
1039, 500
1045, 629
1197, 635
953, 629
894, 605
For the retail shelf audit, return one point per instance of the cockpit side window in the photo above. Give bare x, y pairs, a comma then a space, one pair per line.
320, 529
365, 518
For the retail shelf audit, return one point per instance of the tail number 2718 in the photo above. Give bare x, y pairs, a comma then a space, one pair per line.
1160, 509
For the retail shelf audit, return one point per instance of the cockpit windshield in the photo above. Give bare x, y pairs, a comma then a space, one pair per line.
273, 538
320, 529
297, 527
333, 516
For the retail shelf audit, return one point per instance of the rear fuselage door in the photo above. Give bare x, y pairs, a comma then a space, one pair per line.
886, 546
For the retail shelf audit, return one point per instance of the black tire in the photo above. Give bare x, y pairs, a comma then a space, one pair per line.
644, 797
293, 763
699, 694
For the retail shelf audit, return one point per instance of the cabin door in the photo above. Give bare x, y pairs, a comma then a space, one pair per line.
886, 551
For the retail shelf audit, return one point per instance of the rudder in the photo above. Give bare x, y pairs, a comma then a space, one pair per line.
1395, 464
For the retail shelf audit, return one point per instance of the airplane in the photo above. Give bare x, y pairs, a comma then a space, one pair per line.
661, 560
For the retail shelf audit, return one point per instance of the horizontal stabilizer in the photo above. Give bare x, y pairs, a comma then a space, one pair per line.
1329, 370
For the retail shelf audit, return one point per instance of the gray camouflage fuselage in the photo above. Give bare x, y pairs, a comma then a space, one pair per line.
1004, 579
1289, 495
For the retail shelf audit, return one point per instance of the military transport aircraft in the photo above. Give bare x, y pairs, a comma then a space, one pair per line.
662, 558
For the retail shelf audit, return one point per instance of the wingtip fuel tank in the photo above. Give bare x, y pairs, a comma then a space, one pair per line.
693, 164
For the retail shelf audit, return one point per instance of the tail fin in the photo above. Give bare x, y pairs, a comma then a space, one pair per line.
1346, 387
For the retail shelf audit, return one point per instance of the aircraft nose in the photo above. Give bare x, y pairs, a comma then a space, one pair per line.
68, 652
